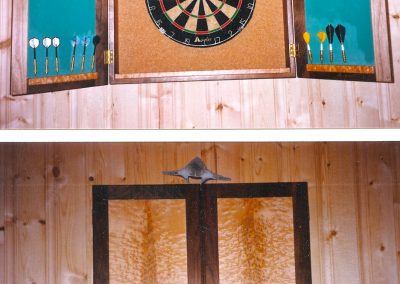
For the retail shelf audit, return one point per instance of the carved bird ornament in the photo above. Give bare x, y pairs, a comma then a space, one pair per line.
196, 169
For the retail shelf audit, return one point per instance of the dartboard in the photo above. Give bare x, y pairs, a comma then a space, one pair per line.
200, 23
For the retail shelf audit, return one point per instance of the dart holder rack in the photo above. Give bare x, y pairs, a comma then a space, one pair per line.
132, 50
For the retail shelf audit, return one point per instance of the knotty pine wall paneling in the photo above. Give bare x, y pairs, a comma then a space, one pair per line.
269, 103
69, 250
354, 205
396, 153
46, 195
376, 197
3, 186
26, 214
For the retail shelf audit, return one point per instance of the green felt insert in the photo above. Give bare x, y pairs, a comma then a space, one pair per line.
62, 19
355, 16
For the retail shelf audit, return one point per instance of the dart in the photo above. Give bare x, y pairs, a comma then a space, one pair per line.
47, 44
34, 43
56, 44
341, 33
96, 41
330, 31
307, 37
322, 38
74, 43
85, 43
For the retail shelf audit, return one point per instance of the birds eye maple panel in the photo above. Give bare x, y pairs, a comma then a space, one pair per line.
60, 45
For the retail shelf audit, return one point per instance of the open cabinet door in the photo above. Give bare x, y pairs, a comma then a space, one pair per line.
214, 233
58, 45
359, 45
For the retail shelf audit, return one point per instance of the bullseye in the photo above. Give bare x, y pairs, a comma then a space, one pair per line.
201, 23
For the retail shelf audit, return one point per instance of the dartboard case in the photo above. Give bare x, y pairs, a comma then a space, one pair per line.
132, 49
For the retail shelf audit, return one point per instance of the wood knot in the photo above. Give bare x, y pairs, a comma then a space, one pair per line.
396, 16
56, 171
323, 103
328, 165
5, 44
371, 182
241, 159
332, 234
382, 247
91, 178
43, 222
260, 159
220, 107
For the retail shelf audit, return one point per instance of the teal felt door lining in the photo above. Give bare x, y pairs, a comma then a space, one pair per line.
62, 19
355, 16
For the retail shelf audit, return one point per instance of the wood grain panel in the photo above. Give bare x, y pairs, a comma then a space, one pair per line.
143, 235
394, 89
55, 110
297, 105
67, 212
252, 248
192, 106
382, 49
3, 185
256, 94
90, 114
367, 104
5, 51
19, 46
8, 213
28, 217
377, 191
340, 254
396, 153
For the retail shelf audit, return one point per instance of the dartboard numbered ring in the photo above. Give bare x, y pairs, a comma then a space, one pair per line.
201, 23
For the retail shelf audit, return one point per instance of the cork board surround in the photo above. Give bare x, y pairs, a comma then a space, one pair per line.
140, 47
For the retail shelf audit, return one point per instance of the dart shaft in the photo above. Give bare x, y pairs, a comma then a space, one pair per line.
344, 56
83, 63
309, 53
321, 56
72, 63
34, 66
330, 53
93, 61
57, 66
310, 56
47, 65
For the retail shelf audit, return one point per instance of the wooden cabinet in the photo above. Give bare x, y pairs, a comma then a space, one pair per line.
228, 233
119, 41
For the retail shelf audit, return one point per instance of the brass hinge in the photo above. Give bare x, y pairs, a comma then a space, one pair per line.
293, 50
108, 57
